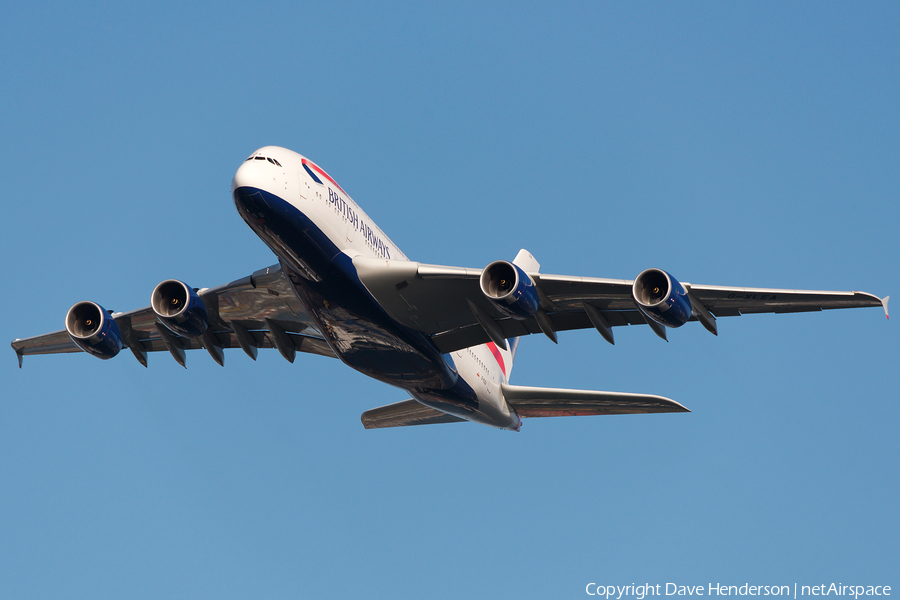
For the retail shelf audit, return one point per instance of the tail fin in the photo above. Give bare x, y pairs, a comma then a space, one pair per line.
525, 261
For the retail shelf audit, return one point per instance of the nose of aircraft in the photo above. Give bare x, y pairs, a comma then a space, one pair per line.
245, 175
246, 186
264, 166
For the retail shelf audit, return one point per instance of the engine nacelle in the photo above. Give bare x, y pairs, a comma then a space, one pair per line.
510, 289
93, 330
180, 308
660, 297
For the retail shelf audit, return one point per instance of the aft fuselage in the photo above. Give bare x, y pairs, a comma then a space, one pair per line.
316, 230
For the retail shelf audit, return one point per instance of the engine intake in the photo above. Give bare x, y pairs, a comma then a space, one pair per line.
179, 308
510, 289
660, 297
93, 330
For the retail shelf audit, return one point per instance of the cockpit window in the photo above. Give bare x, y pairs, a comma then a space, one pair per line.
271, 160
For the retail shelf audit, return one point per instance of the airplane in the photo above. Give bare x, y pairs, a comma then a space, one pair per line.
446, 335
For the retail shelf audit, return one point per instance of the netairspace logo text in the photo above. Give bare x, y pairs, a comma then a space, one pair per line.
640, 592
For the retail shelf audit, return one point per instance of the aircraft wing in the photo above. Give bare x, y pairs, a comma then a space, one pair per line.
446, 302
258, 311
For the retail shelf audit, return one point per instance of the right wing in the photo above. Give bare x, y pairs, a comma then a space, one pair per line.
447, 304
258, 311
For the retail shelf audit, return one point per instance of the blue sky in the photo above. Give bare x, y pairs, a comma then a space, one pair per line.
748, 145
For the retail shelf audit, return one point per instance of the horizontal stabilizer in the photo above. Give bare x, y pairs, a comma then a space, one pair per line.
401, 414
555, 402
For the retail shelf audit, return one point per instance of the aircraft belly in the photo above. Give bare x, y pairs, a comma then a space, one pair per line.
366, 340
359, 331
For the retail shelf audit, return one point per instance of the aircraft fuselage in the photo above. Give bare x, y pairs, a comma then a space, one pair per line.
316, 230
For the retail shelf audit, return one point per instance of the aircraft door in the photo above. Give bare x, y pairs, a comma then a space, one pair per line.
351, 225
305, 192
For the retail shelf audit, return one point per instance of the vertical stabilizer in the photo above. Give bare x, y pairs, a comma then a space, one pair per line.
525, 261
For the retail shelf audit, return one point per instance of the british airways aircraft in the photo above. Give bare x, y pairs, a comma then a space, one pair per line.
446, 335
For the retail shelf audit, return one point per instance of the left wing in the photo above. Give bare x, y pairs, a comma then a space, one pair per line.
448, 304
258, 311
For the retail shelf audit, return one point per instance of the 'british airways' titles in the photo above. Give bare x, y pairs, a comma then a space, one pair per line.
352, 218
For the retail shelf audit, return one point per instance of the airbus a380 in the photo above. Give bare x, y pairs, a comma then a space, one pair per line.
446, 335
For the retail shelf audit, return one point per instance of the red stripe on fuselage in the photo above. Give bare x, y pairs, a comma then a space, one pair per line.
496, 352
318, 170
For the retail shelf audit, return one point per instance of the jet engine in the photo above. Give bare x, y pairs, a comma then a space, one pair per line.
180, 308
94, 330
660, 297
510, 289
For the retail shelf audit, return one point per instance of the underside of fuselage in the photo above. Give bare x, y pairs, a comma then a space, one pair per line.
324, 280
